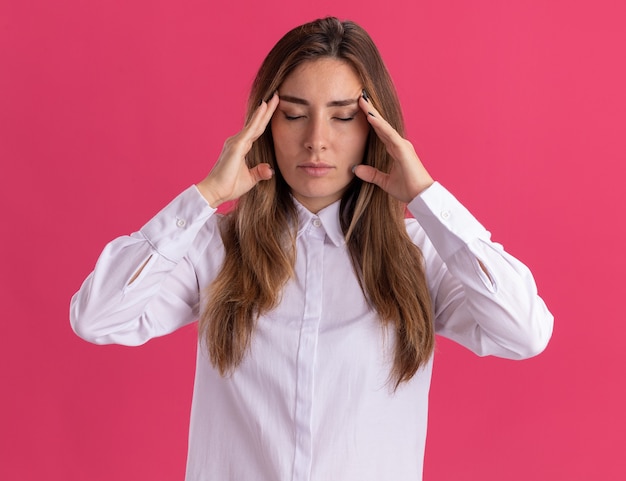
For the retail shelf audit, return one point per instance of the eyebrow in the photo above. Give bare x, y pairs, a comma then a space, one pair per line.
333, 103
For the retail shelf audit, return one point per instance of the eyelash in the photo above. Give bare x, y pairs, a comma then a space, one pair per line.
342, 119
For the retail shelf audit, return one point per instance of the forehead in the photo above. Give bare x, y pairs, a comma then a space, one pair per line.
325, 76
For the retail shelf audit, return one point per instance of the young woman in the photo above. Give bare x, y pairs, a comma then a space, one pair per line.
318, 302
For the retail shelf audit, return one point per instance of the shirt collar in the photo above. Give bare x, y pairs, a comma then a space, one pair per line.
329, 218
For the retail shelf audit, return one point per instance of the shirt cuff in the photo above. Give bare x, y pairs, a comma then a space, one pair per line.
447, 223
174, 228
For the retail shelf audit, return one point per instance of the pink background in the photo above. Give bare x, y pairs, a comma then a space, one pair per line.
110, 108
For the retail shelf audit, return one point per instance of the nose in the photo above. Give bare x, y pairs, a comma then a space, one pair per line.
316, 139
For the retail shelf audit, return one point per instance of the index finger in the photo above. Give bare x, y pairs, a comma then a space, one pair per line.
261, 117
383, 129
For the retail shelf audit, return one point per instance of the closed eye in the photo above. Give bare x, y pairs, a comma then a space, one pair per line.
347, 118
293, 117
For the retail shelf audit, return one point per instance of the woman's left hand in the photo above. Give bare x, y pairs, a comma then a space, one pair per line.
407, 177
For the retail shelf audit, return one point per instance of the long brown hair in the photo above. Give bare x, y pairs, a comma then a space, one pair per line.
259, 236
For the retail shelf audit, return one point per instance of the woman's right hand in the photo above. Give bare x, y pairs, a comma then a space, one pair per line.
230, 177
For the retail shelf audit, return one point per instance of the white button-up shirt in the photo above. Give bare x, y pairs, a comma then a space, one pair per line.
313, 398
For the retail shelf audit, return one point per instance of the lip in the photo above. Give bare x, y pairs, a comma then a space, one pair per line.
315, 169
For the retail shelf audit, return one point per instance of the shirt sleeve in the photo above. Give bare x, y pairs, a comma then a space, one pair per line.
164, 296
483, 298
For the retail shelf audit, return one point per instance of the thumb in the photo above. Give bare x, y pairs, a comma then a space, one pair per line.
369, 174
261, 172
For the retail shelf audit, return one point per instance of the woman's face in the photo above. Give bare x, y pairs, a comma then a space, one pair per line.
319, 131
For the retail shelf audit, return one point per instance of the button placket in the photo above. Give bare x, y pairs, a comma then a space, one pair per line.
307, 353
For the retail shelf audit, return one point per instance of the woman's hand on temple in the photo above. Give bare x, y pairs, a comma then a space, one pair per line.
230, 177
407, 177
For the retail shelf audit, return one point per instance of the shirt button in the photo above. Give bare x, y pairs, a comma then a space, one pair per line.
445, 214
317, 222
180, 223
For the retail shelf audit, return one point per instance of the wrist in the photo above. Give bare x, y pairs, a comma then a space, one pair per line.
419, 187
208, 193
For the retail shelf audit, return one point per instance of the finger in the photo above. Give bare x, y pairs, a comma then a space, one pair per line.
261, 172
370, 174
383, 129
261, 118
241, 143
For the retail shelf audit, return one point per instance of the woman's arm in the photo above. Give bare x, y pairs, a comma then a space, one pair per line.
144, 285
483, 297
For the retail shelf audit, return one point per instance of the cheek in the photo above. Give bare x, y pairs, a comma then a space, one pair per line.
282, 149
359, 142
281, 137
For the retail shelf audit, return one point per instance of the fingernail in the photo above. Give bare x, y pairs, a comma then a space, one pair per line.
364, 94
354, 168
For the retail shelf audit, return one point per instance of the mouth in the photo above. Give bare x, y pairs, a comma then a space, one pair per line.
315, 169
